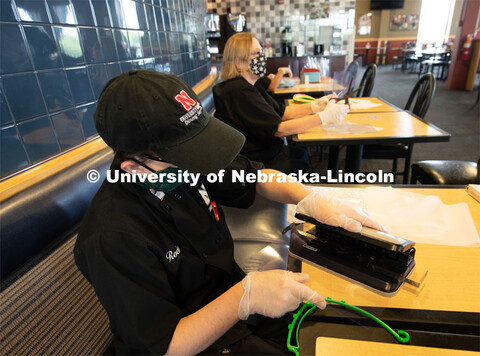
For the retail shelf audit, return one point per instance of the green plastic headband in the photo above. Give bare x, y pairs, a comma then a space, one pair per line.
303, 98
402, 336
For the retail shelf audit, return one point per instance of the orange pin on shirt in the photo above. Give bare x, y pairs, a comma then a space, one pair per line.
215, 210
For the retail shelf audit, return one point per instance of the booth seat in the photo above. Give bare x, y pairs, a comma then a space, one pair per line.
257, 232
46, 305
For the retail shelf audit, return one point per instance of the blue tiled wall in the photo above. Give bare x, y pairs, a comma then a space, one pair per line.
56, 56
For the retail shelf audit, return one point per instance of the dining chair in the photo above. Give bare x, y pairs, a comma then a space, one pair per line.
368, 80
410, 62
446, 172
418, 103
398, 58
350, 73
442, 63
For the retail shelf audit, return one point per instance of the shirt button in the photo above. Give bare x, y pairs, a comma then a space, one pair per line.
177, 196
167, 207
205, 256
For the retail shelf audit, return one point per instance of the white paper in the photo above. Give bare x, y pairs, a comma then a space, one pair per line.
417, 217
422, 218
350, 128
361, 104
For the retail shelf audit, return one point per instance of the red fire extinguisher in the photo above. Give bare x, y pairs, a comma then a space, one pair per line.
466, 49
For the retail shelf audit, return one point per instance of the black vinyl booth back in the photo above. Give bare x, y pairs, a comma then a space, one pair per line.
44, 215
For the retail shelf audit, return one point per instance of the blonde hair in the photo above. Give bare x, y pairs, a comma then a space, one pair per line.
237, 49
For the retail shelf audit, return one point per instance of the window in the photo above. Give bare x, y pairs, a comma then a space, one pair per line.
435, 22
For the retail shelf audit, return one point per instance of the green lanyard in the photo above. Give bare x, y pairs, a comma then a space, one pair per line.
401, 336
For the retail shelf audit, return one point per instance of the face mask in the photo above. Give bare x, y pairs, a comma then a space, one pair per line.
258, 65
164, 186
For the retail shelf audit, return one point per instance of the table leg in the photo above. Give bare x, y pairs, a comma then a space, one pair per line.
333, 152
353, 161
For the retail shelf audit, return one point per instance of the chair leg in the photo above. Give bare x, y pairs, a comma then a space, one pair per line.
406, 171
394, 166
408, 160
333, 153
413, 179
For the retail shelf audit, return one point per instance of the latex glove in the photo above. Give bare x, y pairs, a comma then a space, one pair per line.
328, 209
285, 72
274, 293
320, 104
333, 113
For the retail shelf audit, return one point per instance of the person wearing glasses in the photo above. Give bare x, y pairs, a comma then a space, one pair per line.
243, 102
158, 252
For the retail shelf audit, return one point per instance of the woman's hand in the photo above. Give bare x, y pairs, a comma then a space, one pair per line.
321, 104
274, 293
328, 209
284, 72
333, 113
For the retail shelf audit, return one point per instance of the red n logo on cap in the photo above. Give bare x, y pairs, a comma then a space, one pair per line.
187, 102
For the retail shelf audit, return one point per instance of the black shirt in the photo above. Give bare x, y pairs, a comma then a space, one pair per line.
155, 261
252, 111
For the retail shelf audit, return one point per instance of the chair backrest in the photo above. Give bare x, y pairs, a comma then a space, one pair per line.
347, 76
352, 69
478, 171
367, 82
421, 95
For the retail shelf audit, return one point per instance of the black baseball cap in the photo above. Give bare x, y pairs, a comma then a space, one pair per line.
144, 110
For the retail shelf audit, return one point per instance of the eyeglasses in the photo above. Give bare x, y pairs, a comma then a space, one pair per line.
158, 159
402, 336
258, 53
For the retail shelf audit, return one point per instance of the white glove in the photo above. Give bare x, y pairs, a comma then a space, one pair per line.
320, 104
333, 113
274, 293
328, 209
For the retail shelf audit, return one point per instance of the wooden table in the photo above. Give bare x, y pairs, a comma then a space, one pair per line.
452, 283
451, 286
316, 90
329, 346
395, 127
322, 87
383, 107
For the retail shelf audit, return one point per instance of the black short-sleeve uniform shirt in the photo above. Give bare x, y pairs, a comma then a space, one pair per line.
153, 261
252, 111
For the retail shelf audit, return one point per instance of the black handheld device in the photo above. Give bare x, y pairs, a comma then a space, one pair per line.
378, 238
378, 260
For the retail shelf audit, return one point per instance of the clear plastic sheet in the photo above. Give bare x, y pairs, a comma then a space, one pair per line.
287, 83
417, 217
320, 63
342, 80
350, 128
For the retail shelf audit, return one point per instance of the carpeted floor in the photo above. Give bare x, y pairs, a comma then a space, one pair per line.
453, 111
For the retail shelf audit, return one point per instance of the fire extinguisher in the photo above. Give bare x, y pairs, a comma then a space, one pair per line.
466, 49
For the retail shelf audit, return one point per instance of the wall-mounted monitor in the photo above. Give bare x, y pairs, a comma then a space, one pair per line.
386, 4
